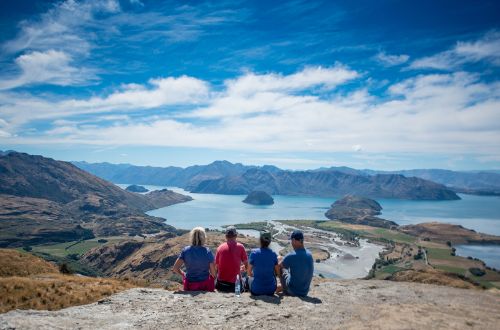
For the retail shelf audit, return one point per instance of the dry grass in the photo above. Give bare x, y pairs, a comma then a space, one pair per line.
15, 263
29, 282
430, 276
55, 291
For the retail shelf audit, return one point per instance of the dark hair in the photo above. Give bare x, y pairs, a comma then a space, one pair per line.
264, 243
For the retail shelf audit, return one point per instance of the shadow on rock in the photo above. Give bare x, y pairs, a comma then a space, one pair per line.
268, 299
190, 293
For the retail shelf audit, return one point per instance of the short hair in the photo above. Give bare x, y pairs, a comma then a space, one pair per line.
197, 236
264, 243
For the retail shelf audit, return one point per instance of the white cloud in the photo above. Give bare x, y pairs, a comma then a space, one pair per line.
50, 67
391, 60
485, 49
434, 113
309, 77
61, 28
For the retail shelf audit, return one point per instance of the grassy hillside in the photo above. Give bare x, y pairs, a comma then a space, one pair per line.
29, 282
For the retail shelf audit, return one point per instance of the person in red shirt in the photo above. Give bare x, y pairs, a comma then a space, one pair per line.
228, 259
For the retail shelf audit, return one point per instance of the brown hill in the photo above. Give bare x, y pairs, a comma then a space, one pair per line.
28, 282
43, 200
444, 232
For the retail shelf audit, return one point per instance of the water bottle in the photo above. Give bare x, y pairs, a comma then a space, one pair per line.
237, 286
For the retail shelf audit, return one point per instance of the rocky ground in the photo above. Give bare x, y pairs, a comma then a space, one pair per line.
346, 304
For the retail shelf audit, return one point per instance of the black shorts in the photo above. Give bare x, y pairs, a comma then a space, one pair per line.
223, 286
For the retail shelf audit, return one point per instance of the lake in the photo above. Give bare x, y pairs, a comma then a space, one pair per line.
481, 213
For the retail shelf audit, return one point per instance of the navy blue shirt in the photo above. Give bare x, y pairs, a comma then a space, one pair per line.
263, 261
301, 265
197, 260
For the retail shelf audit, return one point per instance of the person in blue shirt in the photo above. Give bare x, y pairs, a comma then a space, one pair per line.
263, 267
199, 263
297, 267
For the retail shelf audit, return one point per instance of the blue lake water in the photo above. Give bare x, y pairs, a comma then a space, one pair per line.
490, 254
481, 213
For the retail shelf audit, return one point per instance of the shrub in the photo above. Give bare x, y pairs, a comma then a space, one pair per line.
448, 243
477, 271
102, 240
27, 248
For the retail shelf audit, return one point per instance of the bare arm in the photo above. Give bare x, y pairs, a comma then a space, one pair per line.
277, 269
213, 270
250, 270
177, 267
246, 264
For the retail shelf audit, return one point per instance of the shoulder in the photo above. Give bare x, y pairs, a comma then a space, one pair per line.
255, 251
222, 247
186, 248
239, 245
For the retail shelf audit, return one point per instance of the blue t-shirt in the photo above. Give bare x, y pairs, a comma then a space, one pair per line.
263, 261
301, 265
197, 260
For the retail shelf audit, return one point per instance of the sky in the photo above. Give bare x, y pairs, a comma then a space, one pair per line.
385, 85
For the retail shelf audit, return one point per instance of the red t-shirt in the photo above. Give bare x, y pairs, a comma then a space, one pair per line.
228, 259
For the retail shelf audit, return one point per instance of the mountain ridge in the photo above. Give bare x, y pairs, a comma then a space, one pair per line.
224, 177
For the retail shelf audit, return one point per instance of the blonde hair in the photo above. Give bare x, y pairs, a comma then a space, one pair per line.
197, 236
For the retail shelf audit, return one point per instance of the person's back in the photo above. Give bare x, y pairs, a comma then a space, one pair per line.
297, 267
228, 259
199, 263
197, 260
263, 261
301, 266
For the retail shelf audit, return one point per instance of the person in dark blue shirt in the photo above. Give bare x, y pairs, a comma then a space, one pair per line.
263, 267
297, 267
199, 263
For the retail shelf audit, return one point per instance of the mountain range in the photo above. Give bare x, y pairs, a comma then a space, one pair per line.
43, 200
223, 177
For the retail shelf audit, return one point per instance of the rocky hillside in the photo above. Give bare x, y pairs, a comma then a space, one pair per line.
358, 210
150, 259
328, 184
43, 200
346, 304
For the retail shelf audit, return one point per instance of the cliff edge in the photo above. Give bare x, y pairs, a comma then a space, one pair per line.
346, 304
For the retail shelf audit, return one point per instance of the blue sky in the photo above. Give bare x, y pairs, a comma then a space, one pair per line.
298, 84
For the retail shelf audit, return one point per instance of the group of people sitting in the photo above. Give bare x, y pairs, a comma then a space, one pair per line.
203, 272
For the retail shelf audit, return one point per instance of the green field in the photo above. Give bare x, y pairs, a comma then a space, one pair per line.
436, 253
391, 269
74, 247
450, 269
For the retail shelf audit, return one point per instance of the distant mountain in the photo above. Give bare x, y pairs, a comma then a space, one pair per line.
480, 182
327, 184
44, 200
223, 177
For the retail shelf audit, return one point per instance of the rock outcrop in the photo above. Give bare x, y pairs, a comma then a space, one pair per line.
358, 210
136, 188
259, 198
345, 304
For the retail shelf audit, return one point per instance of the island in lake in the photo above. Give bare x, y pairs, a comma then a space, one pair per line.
259, 198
